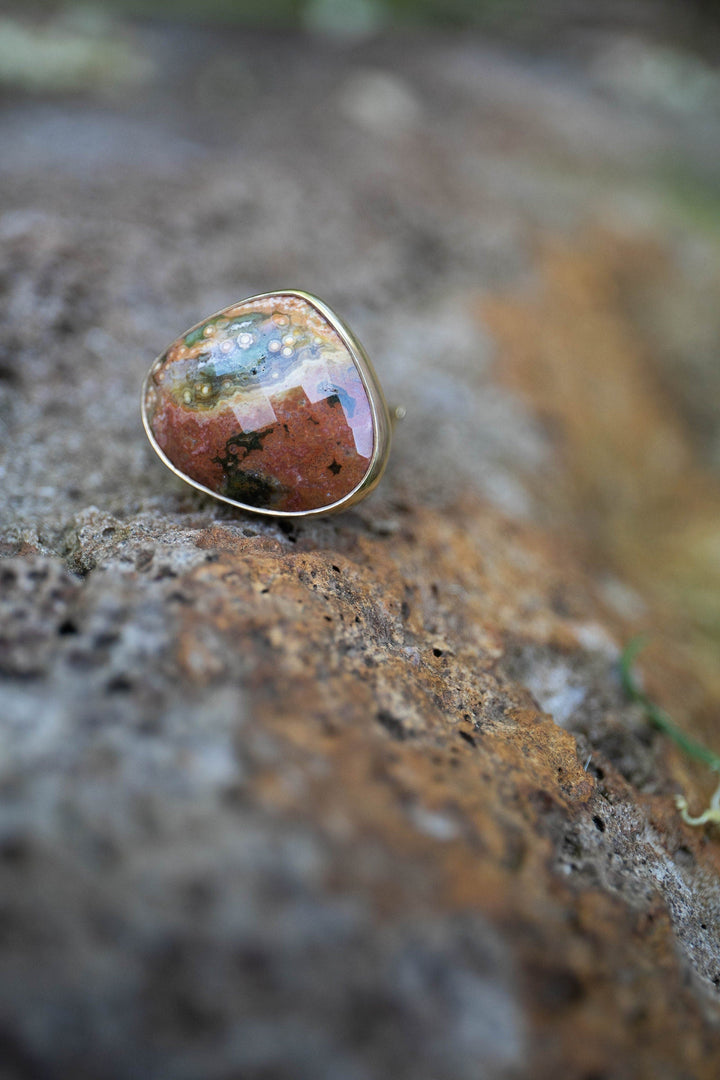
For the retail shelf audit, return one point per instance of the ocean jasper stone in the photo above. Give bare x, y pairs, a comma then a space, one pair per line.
266, 405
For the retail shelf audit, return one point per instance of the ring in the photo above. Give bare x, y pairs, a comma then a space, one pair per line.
270, 405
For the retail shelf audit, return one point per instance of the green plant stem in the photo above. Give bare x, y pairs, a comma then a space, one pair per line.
657, 716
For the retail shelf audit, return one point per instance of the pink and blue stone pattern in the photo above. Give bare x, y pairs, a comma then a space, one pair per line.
263, 404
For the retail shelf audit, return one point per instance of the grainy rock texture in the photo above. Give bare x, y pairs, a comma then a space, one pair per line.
363, 798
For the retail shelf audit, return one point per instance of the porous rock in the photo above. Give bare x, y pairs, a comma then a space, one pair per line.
358, 797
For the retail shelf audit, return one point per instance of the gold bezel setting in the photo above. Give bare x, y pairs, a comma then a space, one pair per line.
382, 428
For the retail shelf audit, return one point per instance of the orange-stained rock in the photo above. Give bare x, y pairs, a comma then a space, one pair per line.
362, 798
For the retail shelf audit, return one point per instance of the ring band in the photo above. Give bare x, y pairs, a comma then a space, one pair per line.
271, 405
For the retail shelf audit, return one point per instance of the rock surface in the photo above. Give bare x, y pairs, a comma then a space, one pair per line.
362, 797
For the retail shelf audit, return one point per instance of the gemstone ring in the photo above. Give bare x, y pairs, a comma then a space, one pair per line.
270, 405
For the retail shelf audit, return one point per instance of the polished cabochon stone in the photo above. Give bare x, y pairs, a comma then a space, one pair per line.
265, 405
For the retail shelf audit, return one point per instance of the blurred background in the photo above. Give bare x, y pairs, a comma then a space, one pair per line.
370, 16
516, 206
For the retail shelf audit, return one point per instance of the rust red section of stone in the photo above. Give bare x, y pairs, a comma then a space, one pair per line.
263, 404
